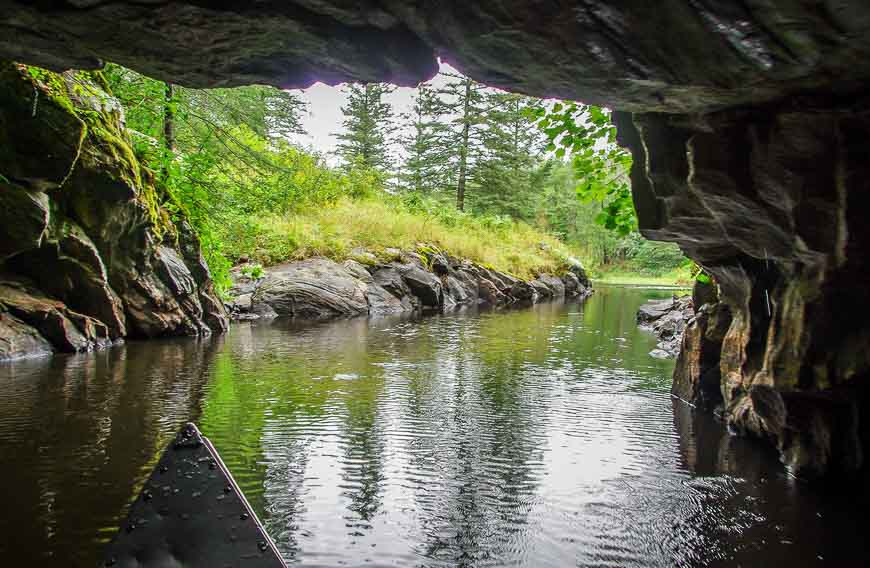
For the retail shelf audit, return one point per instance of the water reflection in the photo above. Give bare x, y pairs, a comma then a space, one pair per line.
78, 433
540, 437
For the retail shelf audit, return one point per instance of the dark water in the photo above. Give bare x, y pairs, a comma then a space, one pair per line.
538, 437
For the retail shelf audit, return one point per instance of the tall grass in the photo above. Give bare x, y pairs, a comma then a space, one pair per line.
377, 224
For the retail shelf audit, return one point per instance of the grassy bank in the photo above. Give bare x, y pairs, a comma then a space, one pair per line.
380, 223
681, 277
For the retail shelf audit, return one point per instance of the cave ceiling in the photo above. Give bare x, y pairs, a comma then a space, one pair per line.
674, 56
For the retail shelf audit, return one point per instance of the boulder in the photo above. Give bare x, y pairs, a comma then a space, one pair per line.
31, 209
554, 283
697, 376
82, 232
67, 330
541, 289
424, 285
572, 284
523, 292
459, 292
312, 289
653, 310
490, 294
17, 339
667, 319
389, 294
382, 302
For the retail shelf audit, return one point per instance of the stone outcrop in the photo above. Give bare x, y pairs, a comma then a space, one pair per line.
320, 288
87, 254
667, 320
771, 203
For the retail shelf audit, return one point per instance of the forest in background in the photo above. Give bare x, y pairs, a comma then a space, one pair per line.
504, 179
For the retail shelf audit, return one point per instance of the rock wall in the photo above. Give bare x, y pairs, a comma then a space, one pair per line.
320, 288
771, 202
87, 254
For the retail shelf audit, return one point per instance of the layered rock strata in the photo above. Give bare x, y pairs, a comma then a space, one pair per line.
771, 202
320, 288
87, 254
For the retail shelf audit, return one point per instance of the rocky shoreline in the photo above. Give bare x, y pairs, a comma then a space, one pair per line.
667, 320
430, 280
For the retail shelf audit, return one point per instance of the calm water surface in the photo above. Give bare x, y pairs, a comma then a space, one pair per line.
536, 437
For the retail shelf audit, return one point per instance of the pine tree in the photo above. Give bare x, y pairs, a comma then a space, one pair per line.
466, 102
508, 172
367, 126
427, 168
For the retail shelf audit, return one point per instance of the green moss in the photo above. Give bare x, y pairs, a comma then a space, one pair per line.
102, 138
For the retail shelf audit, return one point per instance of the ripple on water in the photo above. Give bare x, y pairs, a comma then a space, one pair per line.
540, 437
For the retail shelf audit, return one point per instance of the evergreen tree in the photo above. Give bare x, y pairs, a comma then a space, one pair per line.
427, 168
465, 101
508, 174
367, 126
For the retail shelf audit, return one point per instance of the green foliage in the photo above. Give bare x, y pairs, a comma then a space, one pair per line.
254, 271
382, 222
224, 162
585, 133
230, 159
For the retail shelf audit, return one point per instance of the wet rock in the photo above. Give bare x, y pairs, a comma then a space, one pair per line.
576, 268
17, 339
541, 289
714, 54
313, 289
388, 293
31, 219
440, 265
66, 330
667, 319
770, 202
523, 292
460, 292
697, 378
391, 280
554, 283
424, 285
572, 284
490, 294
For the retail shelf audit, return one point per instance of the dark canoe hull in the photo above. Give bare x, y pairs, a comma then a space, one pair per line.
192, 514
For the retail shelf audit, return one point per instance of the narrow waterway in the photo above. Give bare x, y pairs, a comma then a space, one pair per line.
537, 437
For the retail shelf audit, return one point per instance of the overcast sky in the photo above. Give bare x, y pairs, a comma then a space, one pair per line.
324, 118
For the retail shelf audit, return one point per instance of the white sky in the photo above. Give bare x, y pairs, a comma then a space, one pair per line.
324, 118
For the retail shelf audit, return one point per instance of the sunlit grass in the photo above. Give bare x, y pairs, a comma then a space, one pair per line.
680, 277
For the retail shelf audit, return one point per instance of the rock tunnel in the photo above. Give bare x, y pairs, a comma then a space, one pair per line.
747, 121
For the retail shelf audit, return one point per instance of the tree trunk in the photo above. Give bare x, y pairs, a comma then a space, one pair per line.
463, 148
169, 118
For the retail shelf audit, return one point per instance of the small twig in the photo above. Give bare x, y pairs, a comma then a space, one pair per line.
35, 101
